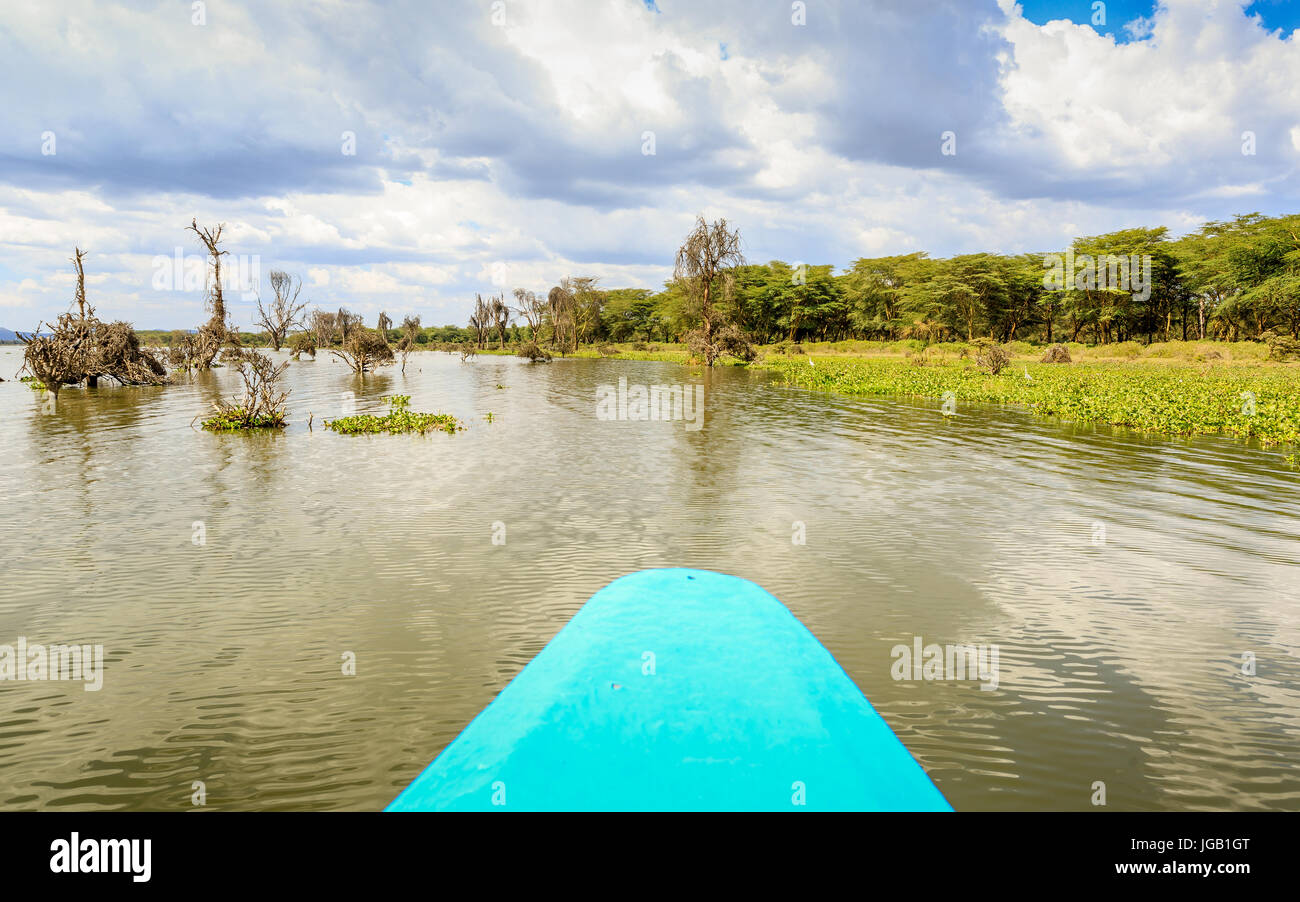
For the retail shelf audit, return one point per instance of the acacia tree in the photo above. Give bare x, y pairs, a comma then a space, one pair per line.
303, 343
500, 314
533, 310
364, 349
345, 323
878, 289
285, 312
708, 252
562, 308
410, 335
322, 324
588, 302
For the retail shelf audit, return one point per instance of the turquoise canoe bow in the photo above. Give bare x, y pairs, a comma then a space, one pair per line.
677, 690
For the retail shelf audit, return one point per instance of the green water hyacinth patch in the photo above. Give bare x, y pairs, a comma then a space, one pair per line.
1245, 402
236, 419
399, 419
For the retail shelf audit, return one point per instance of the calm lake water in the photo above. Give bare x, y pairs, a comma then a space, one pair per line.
1120, 655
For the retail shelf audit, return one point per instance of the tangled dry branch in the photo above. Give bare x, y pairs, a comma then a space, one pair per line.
285, 312
262, 403
81, 348
364, 349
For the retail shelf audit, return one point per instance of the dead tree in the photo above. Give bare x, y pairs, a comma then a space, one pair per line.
216, 332
409, 339
324, 327
345, 322
78, 255
533, 310
707, 252
364, 350
562, 307
500, 315
302, 343
262, 403
285, 312
480, 320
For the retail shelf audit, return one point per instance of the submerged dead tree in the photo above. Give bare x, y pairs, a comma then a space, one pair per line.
81, 348
199, 350
363, 349
410, 337
480, 320
285, 313
302, 343
344, 324
261, 405
322, 325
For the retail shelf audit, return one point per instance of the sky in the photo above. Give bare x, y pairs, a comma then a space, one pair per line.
403, 155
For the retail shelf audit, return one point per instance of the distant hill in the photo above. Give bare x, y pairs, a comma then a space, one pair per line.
9, 337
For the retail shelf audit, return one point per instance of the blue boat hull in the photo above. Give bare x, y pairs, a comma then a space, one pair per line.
677, 690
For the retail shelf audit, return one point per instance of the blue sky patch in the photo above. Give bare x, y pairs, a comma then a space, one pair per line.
1283, 14
1109, 17
1123, 18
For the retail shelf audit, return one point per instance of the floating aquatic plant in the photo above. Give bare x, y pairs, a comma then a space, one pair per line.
400, 418
1173, 400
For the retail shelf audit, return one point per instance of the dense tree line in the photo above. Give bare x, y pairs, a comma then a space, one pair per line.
1230, 280
1234, 280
